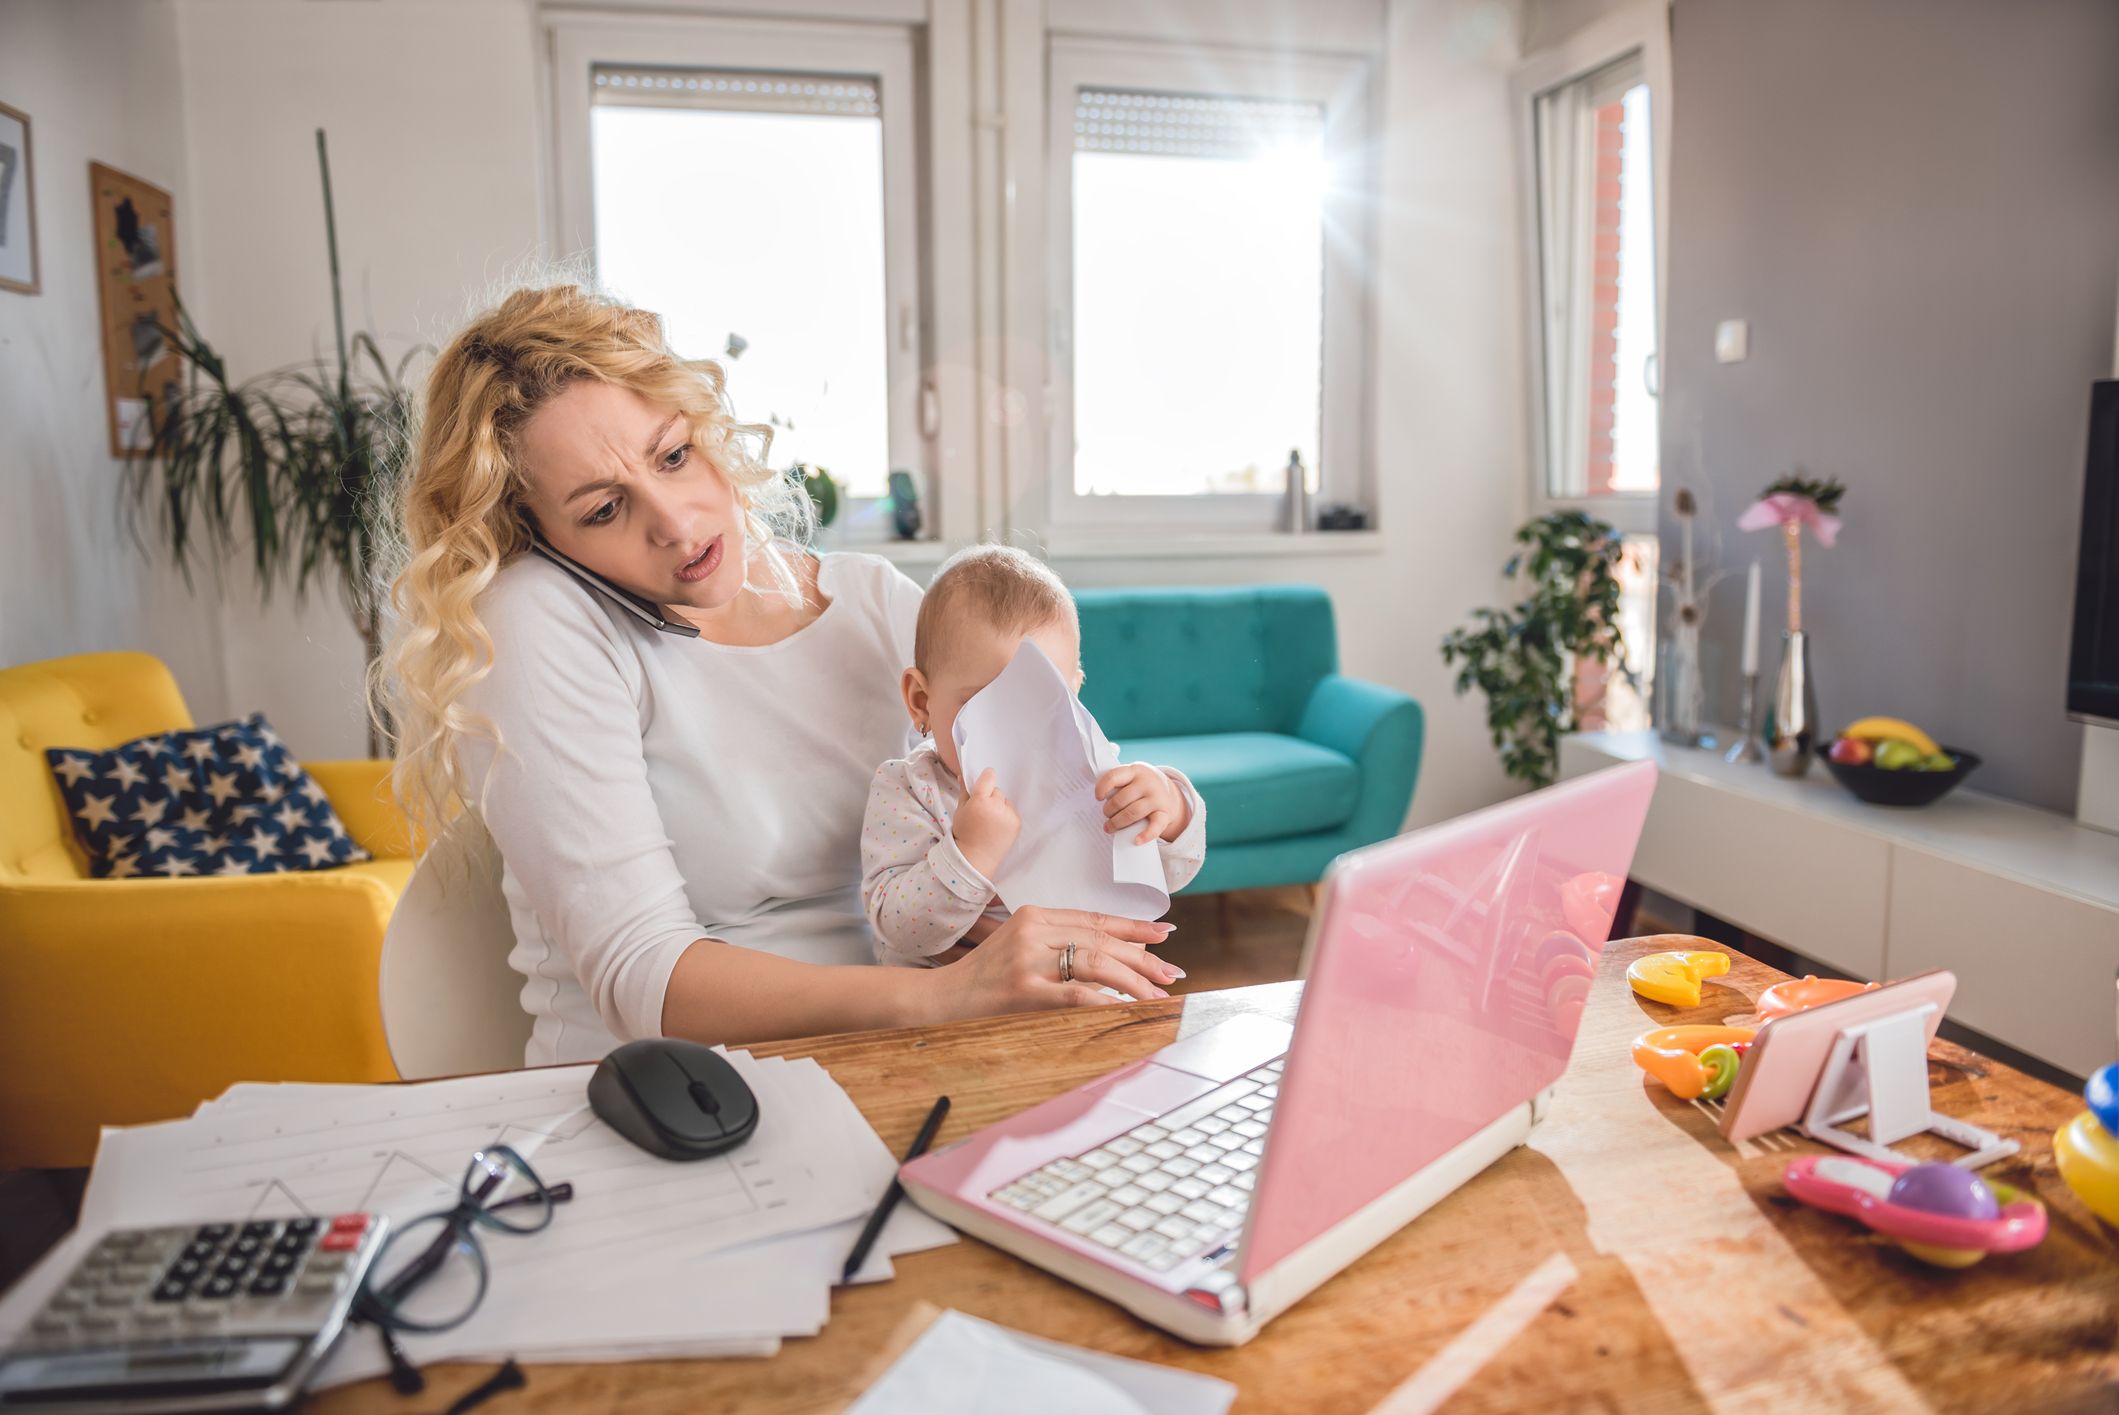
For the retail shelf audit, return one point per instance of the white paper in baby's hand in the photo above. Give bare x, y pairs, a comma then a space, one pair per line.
1046, 752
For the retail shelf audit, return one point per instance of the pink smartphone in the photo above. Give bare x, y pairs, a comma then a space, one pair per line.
1788, 1056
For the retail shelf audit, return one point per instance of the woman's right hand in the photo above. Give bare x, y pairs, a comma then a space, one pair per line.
1018, 968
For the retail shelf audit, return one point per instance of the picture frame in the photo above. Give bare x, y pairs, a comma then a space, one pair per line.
18, 205
136, 285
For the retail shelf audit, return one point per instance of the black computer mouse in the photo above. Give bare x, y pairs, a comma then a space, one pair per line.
673, 1098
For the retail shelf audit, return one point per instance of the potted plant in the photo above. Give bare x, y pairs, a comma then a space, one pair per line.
823, 489
301, 463
1523, 658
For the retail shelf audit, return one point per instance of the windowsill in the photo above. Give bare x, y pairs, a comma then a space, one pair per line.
1238, 545
897, 552
1089, 545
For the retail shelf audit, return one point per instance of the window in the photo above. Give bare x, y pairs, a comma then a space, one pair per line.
1591, 112
1592, 181
1596, 249
791, 304
1207, 326
763, 203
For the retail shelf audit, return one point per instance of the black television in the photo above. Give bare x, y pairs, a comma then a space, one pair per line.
2093, 660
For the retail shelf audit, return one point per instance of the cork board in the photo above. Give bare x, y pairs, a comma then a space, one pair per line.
136, 282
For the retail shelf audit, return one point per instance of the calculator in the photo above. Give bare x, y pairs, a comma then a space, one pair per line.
193, 1317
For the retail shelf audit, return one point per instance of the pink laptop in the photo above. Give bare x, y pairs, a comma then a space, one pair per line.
1213, 1185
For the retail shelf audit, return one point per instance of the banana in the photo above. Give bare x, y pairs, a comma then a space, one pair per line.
1885, 729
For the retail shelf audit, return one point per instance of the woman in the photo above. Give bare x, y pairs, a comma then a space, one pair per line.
679, 817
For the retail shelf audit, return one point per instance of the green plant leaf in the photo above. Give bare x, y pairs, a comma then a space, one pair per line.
1522, 658
299, 467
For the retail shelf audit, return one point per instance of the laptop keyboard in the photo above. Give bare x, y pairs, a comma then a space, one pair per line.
1165, 1191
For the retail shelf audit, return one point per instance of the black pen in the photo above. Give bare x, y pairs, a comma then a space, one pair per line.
867, 1240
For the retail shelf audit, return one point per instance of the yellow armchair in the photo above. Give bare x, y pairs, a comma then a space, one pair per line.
123, 1001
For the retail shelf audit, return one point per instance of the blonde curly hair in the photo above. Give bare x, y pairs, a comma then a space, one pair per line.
463, 511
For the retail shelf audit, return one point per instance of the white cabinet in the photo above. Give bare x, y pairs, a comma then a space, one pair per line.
2022, 904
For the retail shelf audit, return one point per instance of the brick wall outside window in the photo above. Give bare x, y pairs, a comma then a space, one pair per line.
1592, 680
1604, 305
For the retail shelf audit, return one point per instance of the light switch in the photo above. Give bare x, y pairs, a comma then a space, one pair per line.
1732, 341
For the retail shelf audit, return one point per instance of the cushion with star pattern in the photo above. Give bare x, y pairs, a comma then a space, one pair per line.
223, 800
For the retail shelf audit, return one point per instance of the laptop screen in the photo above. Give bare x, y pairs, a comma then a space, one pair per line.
1446, 977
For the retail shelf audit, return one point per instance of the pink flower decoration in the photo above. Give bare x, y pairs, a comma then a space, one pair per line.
1785, 508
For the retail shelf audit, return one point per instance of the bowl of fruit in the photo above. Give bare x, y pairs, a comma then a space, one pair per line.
1888, 762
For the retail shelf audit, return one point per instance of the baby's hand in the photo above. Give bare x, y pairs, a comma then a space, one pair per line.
986, 825
1139, 792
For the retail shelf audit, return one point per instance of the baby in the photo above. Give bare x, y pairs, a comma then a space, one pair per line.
929, 847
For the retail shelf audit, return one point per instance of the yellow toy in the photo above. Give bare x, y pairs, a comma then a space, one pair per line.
1675, 977
2086, 1149
1673, 1056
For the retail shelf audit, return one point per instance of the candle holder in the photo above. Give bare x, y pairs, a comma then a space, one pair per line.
1749, 747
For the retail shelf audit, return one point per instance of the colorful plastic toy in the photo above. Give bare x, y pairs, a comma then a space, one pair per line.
1590, 901
1802, 994
1675, 977
2102, 1094
1564, 965
1942, 1214
2086, 1149
1557, 944
1718, 1064
1676, 1056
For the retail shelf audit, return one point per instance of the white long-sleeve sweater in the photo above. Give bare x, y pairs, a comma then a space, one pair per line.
653, 790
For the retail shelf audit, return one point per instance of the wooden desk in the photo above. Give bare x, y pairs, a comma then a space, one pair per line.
1696, 1283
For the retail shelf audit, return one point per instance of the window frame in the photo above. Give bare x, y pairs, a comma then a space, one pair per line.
1642, 31
884, 53
1344, 86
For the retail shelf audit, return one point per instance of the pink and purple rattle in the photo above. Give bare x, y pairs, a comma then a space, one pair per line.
1940, 1213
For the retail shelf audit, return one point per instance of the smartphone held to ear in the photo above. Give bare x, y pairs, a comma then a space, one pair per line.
645, 610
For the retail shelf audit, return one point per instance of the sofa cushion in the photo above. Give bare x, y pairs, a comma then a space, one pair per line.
1258, 785
223, 800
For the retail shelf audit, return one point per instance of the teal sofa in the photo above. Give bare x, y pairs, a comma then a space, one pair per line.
1240, 690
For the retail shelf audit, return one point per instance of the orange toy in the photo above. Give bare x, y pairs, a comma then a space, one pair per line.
1802, 994
1672, 1055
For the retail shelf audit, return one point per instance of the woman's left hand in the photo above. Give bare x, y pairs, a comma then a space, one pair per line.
1046, 958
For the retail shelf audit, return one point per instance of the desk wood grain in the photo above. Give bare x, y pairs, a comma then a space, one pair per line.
1873, 1329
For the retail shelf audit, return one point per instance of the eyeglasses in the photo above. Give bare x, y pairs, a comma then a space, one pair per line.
432, 1273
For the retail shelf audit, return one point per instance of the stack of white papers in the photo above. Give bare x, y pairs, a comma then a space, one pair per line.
651, 1257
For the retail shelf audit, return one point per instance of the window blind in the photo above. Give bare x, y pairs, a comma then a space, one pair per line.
741, 90
1191, 125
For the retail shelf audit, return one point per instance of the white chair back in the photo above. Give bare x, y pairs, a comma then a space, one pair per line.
451, 1004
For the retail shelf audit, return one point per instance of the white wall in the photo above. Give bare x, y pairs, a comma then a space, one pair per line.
1547, 22
1915, 331
100, 83
433, 116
